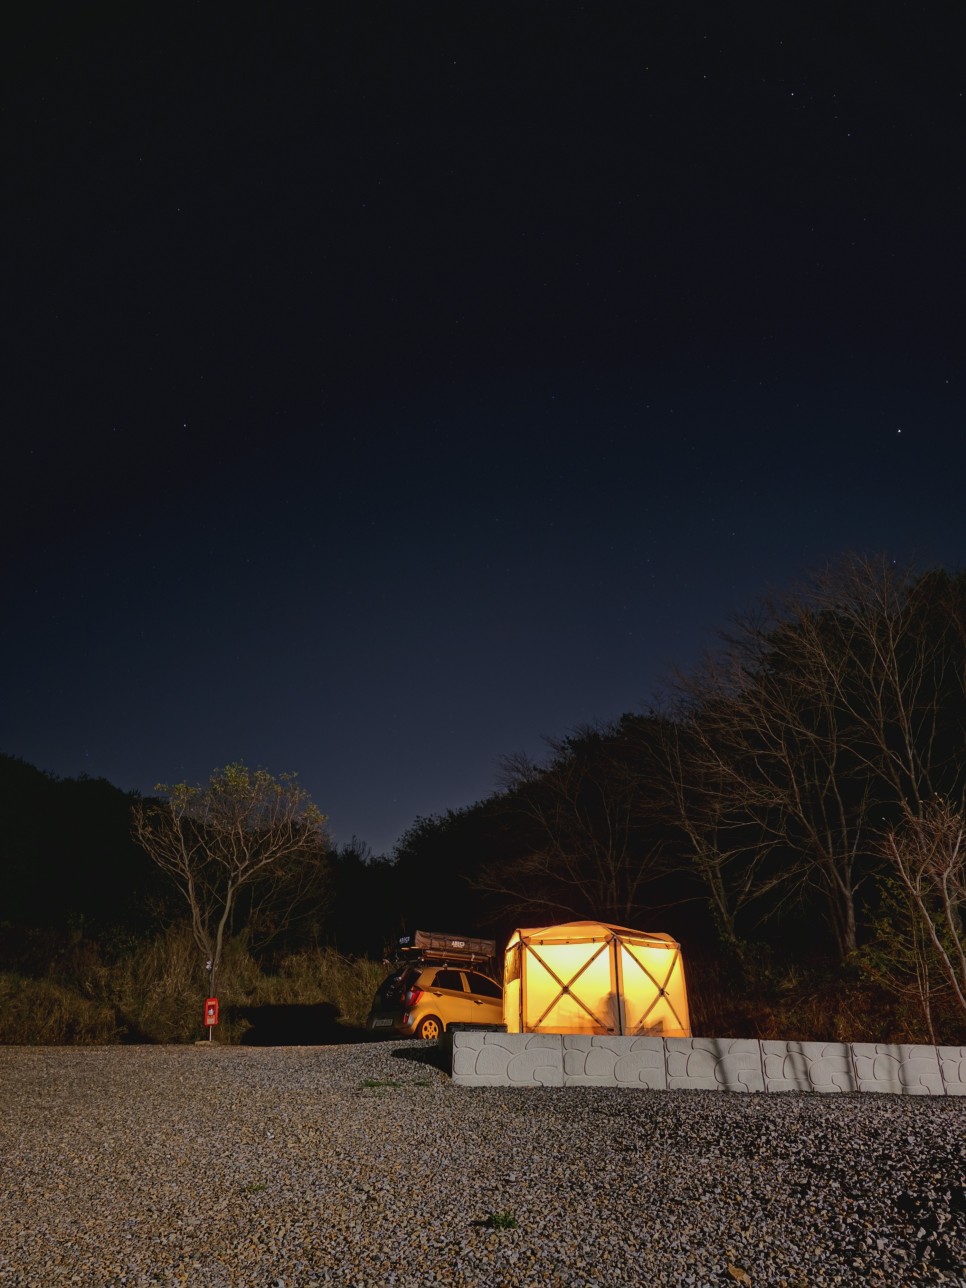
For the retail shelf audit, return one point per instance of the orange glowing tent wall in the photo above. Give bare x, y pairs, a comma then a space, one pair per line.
588, 977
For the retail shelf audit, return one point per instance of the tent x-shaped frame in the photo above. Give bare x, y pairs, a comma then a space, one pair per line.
567, 988
661, 988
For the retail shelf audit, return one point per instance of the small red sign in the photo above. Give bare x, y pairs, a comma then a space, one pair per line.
211, 1012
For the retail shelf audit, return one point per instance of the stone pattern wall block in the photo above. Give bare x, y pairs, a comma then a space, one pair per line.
808, 1066
952, 1062
899, 1068
507, 1059
613, 1062
714, 1064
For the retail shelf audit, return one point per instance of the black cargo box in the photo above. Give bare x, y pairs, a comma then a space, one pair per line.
433, 945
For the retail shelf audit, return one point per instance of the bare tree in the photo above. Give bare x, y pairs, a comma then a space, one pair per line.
928, 851
900, 955
886, 650
244, 844
827, 714
726, 851
765, 784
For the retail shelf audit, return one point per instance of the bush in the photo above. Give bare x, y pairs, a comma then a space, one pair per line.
324, 975
807, 1004
159, 988
152, 990
41, 1012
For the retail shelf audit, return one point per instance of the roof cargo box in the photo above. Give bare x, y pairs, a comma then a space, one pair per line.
433, 945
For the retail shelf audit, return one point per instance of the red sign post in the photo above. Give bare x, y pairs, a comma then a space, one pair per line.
211, 1012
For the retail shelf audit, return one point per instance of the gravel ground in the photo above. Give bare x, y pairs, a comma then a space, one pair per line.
364, 1165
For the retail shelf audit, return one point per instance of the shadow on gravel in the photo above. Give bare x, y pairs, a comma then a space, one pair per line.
298, 1026
430, 1054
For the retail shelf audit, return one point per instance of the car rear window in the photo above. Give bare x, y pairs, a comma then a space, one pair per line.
395, 984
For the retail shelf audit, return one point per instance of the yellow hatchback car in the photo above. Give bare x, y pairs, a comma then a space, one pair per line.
422, 1000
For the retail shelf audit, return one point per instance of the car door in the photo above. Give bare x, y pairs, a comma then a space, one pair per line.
449, 995
486, 1004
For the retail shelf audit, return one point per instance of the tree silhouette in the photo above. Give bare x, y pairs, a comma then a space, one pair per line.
244, 845
824, 720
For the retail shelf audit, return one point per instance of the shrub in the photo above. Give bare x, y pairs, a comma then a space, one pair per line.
158, 986
152, 989
41, 1012
324, 975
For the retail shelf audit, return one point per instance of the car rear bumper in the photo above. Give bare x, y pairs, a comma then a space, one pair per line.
389, 1024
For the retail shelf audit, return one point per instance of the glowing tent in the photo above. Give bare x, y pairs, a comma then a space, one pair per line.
587, 977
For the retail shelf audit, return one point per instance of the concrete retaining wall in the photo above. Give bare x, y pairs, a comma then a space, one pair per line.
482, 1059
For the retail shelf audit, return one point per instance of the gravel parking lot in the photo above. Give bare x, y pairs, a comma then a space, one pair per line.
365, 1165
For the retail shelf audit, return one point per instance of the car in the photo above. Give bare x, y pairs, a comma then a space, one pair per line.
423, 998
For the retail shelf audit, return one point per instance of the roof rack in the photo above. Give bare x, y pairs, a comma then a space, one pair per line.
434, 946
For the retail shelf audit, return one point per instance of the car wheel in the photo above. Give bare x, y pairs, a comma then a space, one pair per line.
429, 1027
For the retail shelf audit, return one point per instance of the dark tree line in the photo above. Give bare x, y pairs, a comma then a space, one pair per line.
803, 787
67, 856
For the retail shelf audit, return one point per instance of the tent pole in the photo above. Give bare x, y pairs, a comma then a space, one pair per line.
618, 983
524, 1013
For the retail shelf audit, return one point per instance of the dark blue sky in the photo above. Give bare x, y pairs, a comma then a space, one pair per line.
390, 387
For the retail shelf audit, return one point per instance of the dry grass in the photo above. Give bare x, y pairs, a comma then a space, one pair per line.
795, 1005
323, 975
153, 991
41, 1012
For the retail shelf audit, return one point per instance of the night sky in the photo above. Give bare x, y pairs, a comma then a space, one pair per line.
388, 386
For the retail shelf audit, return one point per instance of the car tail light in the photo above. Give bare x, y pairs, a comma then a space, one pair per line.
411, 998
